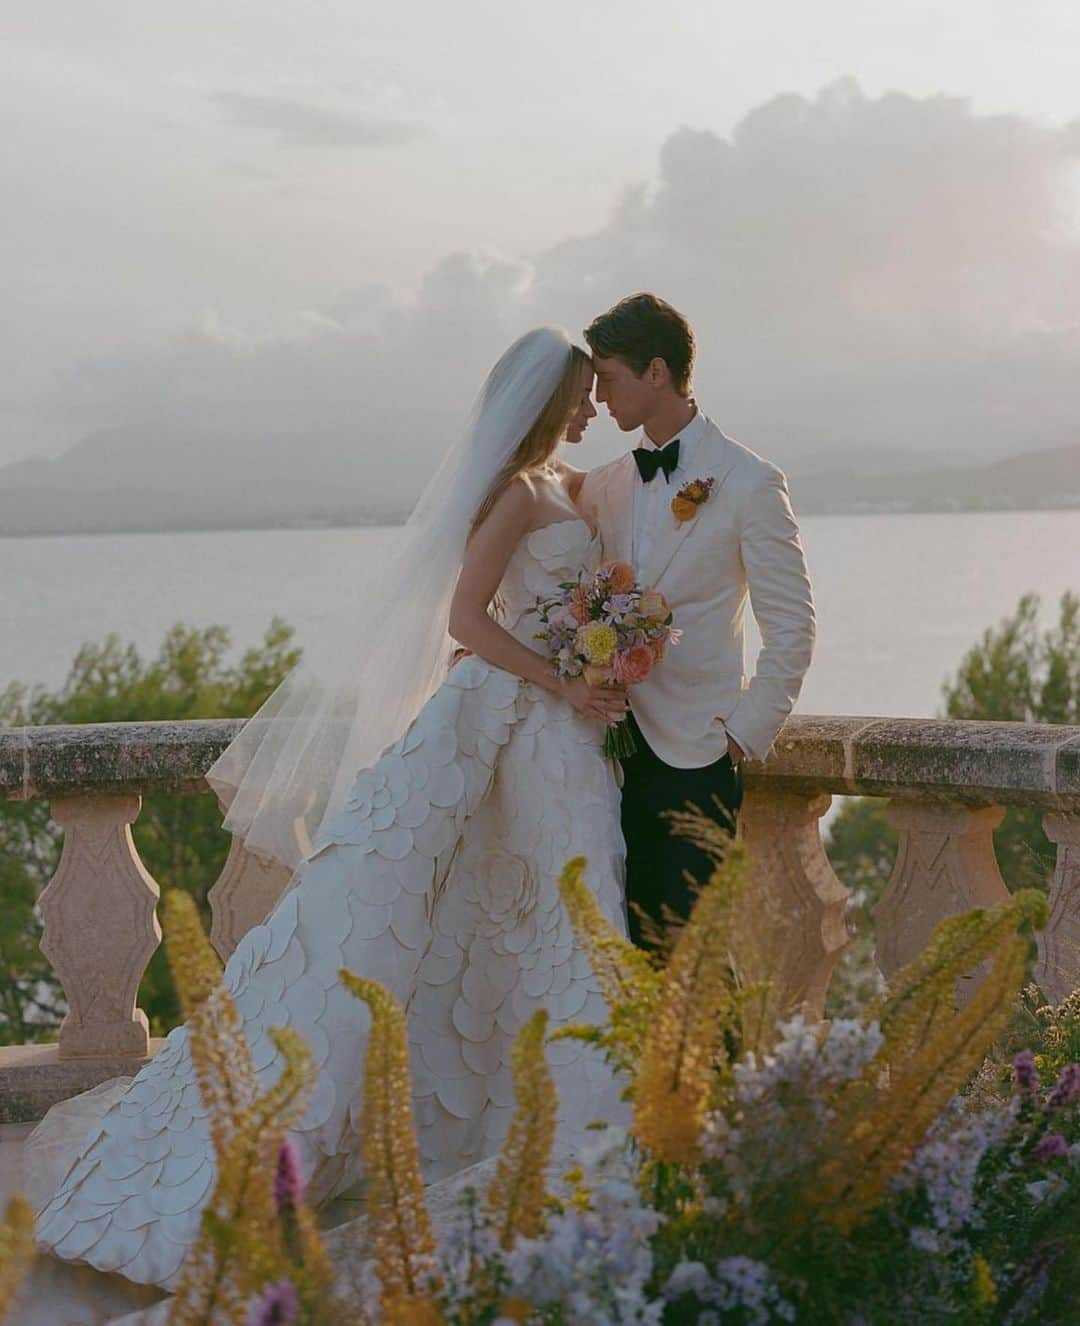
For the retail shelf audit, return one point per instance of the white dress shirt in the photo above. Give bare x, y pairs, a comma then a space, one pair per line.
652, 501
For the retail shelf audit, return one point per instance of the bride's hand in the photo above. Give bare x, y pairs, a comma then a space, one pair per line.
606, 703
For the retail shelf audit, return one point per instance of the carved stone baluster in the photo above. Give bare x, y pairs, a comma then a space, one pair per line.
101, 927
945, 865
794, 908
243, 895
1057, 968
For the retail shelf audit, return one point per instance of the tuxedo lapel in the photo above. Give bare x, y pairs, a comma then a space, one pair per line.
617, 513
714, 459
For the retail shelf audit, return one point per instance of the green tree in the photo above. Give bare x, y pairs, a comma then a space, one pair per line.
179, 838
1018, 672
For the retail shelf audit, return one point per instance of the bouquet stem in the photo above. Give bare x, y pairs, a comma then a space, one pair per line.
619, 741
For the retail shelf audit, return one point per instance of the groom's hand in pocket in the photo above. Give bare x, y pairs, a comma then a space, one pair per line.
736, 754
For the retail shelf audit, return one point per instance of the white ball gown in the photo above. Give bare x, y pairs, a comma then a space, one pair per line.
439, 879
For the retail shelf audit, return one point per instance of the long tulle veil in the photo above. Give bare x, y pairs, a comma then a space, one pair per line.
289, 769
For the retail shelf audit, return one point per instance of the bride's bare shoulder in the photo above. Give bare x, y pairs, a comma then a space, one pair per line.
570, 478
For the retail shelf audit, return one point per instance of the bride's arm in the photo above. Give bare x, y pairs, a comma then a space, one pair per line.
486, 559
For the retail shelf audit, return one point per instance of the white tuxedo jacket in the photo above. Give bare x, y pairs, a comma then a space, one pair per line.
744, 539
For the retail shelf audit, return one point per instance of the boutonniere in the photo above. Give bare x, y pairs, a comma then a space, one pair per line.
685, 503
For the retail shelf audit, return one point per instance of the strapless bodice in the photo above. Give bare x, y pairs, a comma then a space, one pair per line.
543, 559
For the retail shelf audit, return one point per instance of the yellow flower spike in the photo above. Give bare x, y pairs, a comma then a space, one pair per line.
685, 1037
628, 980
411, 1310
16, 1249
518, 1191
517, 1309
220, 1053
238, 1248
922, 994
402, 1239
877, 1142
195, 966
983, 1289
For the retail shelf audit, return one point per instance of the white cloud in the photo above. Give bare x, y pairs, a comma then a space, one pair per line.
305, 124
891, 272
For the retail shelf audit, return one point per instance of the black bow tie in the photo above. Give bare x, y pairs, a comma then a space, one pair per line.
651, 459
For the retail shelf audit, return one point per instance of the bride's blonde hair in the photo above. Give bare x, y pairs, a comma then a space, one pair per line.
540, 443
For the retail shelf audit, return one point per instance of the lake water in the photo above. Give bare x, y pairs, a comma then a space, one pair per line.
899, 597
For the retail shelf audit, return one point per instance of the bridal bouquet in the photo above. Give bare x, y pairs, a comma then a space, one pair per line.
610, 630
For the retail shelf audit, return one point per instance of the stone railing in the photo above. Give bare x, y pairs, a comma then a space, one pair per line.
948, 785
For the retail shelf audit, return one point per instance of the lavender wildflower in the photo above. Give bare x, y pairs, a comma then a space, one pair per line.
1051, 1147
289, 1184
279, 1305
1025, 1074
1067, 1088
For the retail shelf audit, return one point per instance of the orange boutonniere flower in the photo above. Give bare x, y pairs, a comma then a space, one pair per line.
685, 503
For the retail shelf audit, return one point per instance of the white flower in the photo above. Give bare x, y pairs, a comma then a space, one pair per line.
736, 1284
593, 1265
946, 1165
925, 1240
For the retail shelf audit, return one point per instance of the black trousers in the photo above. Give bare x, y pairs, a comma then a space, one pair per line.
655, 858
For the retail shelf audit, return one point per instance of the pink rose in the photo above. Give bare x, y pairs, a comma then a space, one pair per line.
633, 665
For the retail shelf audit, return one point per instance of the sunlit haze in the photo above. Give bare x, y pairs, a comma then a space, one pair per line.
287, 221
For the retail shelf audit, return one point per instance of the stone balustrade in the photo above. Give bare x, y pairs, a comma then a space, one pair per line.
948, 784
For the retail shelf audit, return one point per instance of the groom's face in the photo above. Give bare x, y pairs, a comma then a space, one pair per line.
628, 398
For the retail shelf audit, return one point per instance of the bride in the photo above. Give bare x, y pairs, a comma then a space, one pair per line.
433, 870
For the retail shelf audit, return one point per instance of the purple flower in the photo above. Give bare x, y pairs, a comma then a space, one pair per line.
1067, 1088
279, 1305
1025, 1074
289, 1184
1052, 1146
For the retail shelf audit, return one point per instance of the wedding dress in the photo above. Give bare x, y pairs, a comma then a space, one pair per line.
437, 878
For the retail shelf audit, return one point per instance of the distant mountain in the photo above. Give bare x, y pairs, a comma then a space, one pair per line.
1040, 480
113, 482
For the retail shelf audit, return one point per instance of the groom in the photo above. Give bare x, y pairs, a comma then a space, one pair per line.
697, 716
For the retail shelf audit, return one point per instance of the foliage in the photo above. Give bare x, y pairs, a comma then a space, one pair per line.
397, 1216
16, 1250
871, 1169
1018, 672
179, 838
257, 1241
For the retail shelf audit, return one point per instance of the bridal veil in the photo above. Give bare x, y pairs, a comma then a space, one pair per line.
288, 770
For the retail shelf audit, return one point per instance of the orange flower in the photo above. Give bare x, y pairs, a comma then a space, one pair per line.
659, 650
621, 575
579, 606
684, 509
596, 675
654, 605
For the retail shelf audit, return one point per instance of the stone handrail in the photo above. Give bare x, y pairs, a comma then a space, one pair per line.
948, 783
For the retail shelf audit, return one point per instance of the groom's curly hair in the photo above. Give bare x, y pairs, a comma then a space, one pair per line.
641, 328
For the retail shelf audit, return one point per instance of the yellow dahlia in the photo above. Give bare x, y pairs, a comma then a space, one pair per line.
597, 641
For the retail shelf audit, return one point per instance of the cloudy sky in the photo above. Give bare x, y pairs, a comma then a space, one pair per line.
266, 217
